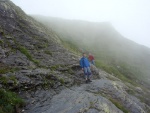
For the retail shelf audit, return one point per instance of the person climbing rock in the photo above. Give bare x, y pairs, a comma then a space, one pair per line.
91, 59
85, 65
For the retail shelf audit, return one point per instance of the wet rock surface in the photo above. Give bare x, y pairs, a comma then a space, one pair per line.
95, 97
77, 100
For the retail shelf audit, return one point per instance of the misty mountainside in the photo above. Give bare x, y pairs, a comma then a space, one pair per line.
114, 53
40, 73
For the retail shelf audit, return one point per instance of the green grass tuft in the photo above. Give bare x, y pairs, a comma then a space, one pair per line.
118, 105
1, 42
54, 67
27, 54
4, 81
5, 69
62, 81
48, 52
8, 101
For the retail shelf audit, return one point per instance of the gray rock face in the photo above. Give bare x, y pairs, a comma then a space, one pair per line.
30, 52
117, 90
23, 40
74, 100
95, 97
79, 101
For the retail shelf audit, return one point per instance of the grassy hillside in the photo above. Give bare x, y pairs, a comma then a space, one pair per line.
114, 53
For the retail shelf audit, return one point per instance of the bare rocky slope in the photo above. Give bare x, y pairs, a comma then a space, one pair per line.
35, 64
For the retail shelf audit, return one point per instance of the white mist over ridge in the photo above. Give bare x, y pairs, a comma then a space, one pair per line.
130, 18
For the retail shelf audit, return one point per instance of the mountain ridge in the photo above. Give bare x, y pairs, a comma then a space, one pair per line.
82, 21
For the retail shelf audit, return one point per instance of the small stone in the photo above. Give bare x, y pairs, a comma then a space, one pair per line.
138, 89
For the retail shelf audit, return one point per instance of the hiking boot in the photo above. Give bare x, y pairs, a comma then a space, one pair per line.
86, 81
89, 80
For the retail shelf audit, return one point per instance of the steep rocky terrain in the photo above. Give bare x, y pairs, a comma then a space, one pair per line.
29, 48
35, 64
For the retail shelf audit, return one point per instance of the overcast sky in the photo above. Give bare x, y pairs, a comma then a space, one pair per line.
130, 17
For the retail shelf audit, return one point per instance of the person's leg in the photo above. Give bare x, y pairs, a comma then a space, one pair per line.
89, 74
86, 74
93, 62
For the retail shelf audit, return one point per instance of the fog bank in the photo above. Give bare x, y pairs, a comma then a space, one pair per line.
129, 17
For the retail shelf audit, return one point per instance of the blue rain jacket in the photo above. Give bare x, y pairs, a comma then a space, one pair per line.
84, 62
